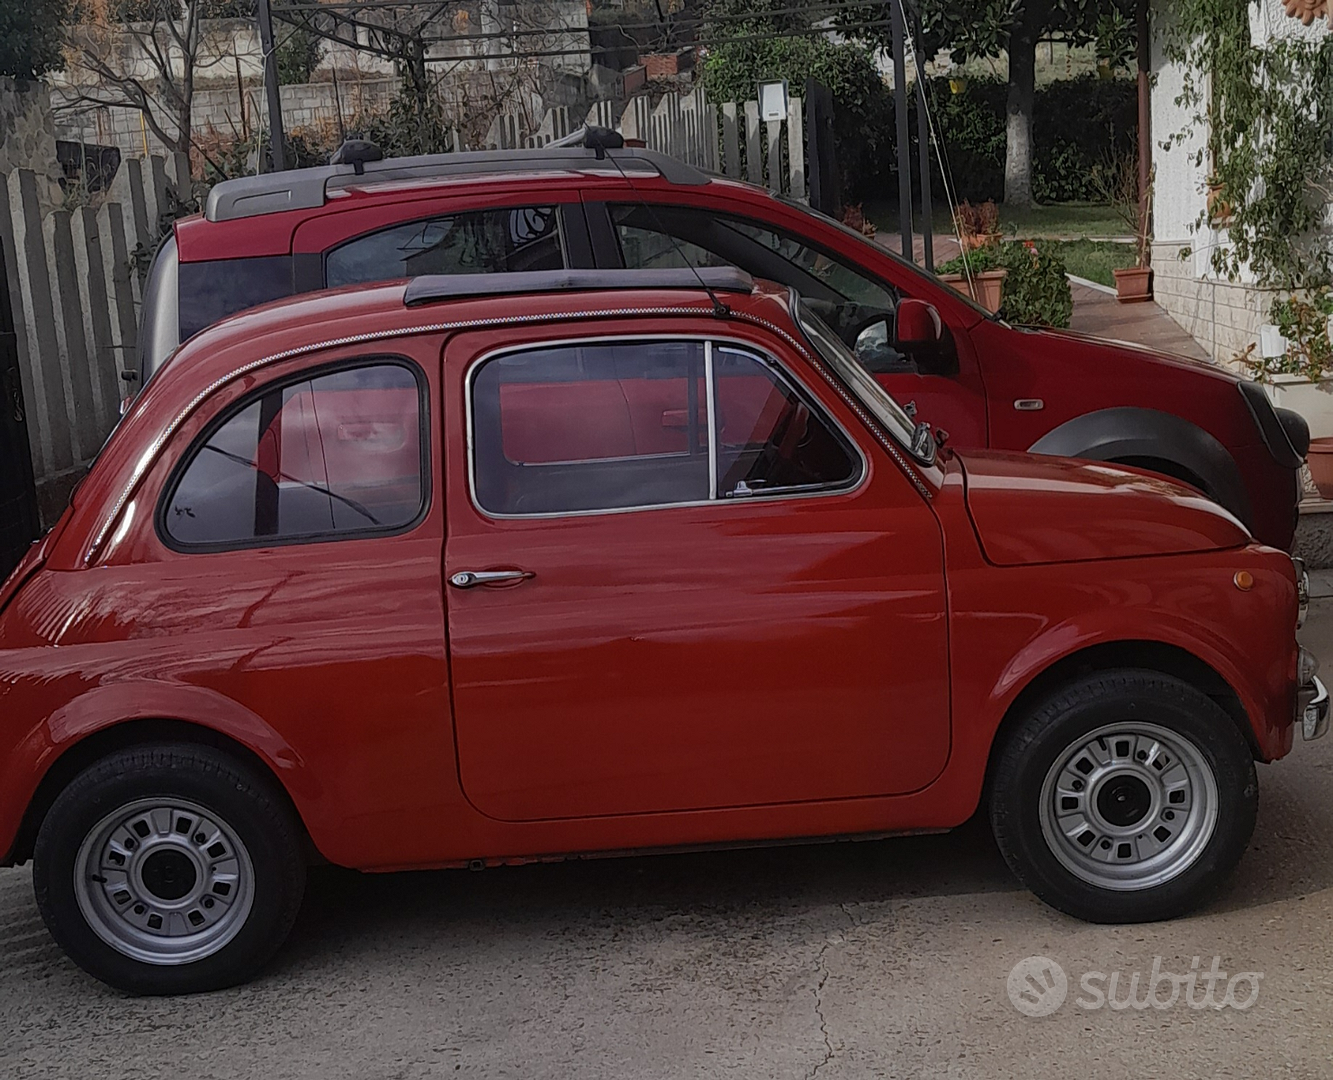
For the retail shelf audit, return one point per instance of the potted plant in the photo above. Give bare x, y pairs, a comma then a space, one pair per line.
1294, 362
1218, 206
1117, 182
977, 273
854, 218
977, 226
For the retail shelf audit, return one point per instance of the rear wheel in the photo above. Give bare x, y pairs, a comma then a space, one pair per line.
1125, 797
169, 869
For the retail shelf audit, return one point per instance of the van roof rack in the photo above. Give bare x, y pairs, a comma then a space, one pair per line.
304, 189
431, 288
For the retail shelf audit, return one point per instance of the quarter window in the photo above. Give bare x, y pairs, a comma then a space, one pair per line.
615, 425
338, 454
476, 242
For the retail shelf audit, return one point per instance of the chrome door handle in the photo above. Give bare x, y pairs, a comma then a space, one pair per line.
466, 579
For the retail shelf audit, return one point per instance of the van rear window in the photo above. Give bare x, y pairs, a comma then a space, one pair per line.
210, 291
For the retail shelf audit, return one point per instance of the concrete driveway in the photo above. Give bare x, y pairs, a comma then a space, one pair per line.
842, 960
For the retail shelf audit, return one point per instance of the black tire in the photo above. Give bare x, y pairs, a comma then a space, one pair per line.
1051, 733
236, 797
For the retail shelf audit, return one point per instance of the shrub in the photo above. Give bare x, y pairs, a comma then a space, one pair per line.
1076, 124
1036, 290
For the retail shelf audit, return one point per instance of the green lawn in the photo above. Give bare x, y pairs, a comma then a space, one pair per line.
1058, 221
1093, 259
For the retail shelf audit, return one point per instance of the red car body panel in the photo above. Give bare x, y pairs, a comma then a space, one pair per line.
795, 668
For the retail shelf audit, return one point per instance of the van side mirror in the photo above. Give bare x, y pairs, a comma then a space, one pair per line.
917, 327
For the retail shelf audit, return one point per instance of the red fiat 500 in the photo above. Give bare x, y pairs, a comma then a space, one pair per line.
425, 576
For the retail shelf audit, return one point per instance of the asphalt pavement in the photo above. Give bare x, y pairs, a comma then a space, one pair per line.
871, 959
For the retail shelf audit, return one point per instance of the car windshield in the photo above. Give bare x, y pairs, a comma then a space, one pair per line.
873, 396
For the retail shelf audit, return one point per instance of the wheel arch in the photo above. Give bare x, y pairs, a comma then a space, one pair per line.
1131, 434
1143, 655
97, 744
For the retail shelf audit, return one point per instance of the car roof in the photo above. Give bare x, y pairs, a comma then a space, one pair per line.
300, 189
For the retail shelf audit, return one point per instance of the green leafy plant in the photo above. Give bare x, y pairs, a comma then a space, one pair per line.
298, 54
1266, 115
1115, 39
1077, 123
1303, 321
32, 36
1036, 290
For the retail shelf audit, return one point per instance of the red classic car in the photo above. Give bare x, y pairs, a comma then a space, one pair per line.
480, 570
987, 384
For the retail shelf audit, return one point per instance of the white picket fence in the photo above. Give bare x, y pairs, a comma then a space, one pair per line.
75, 299
729, 139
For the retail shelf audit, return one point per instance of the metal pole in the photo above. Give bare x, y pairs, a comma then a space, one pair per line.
276, 139
1145, 113
923, 148
900, 114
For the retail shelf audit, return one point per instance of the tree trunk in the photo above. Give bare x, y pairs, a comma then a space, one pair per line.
1018, 114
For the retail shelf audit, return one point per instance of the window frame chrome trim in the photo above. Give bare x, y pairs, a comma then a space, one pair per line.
798, 385
710, 393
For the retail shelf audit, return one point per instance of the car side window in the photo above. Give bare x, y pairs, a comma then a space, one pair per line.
857, 306
338, 454
503, 240
617, 425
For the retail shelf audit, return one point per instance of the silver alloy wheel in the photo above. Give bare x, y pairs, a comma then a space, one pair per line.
1129, 806
164, 881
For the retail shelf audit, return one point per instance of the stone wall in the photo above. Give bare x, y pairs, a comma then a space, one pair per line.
1222, 316
28, 137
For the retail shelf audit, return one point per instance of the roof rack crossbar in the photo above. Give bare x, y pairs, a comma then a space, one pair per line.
432, 288
304, 189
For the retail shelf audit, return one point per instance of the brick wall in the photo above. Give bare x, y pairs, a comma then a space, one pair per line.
1222, 316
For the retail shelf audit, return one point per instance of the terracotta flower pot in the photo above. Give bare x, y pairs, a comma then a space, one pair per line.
1134, 285
973, 241
1320, 460
1219, 210
987, 287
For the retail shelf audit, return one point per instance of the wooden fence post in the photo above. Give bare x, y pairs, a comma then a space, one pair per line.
754, 162
90, 273
47, 405
29, 377
70, 339
796, 146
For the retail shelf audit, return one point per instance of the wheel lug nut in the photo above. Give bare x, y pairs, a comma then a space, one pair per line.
199, 838
1142, 755
1077, 785
1168, 815
130, 843
139, 909
1106, 845
208, 902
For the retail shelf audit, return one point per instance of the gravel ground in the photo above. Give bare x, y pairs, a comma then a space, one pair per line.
850, 960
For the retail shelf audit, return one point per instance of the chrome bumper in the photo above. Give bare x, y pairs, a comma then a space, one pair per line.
1312, 708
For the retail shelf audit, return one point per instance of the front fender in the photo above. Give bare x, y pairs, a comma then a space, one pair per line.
1130, 432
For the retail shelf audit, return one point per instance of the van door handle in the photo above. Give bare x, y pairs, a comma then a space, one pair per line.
467, 579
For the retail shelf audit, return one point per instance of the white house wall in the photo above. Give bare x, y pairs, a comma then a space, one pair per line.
1223, 316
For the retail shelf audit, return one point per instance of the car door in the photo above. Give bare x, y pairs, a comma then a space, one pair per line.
947, 390
713, 590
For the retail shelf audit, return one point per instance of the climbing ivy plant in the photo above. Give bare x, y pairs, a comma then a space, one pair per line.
1268, 115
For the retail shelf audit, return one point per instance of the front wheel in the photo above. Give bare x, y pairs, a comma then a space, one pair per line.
1125, 797
169, 869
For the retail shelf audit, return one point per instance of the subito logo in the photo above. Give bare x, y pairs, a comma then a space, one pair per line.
1037, 986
